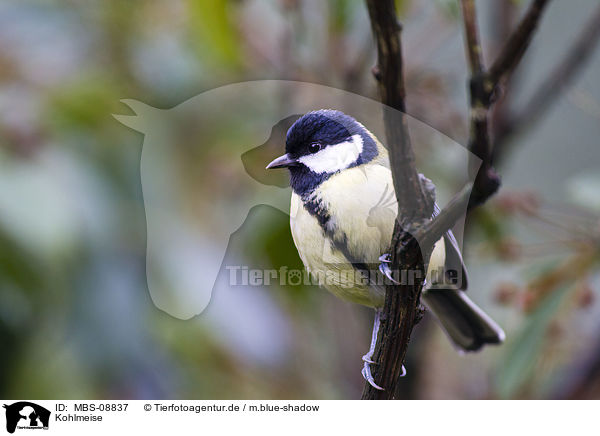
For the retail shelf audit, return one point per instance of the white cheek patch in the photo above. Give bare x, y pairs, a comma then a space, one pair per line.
335, 157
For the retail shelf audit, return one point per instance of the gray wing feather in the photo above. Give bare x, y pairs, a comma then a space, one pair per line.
454, 259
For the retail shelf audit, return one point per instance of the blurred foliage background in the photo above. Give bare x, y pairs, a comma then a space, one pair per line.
76, 319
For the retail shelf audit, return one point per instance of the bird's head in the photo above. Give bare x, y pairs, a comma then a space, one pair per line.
321, 144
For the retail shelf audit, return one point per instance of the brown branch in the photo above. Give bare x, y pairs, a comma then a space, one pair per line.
390, 76
549, 90
402, 309
402, 302
487, 181
506, 13
517, 43
473, 46
482, 86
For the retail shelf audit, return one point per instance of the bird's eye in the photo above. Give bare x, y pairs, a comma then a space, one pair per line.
314, 147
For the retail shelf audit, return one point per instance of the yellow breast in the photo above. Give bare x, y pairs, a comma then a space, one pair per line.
361, 204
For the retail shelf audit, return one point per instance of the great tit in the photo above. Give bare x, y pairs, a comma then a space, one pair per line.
342, 215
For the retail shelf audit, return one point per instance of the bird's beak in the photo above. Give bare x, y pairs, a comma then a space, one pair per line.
282, 162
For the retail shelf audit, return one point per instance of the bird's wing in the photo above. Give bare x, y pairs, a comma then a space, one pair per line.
454, 260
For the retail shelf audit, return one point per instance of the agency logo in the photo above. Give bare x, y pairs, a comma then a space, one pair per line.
26, 415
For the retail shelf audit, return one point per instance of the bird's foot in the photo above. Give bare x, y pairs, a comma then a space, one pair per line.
368, 358
385, 269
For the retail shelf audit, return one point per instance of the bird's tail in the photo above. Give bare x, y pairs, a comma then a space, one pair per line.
465, 323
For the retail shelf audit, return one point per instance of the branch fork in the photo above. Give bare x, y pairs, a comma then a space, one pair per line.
416, 230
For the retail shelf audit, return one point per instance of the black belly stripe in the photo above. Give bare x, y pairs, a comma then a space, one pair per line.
317, 209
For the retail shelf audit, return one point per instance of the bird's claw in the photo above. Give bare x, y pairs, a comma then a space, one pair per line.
368, 376
366, 373
385, 269
385, 258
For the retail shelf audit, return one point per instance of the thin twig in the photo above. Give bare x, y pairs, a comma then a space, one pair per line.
549, 90
517, 43
482, 87
487, 181
474, 51
432, 231
505, 11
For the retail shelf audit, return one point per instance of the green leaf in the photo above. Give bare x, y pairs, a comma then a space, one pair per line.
522, 353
